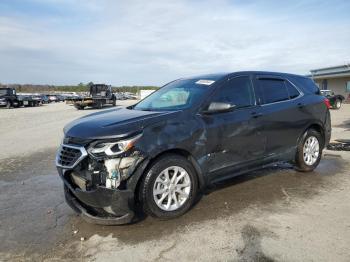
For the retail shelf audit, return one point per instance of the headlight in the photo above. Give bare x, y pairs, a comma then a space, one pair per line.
113, 148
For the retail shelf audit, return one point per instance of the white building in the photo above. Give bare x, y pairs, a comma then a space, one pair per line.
335, 78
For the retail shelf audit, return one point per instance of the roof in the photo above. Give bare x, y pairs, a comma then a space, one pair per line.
334, 71
217, 76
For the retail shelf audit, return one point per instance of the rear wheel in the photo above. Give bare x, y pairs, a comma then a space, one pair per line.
98, 104
169, 188
338, 104
309, 151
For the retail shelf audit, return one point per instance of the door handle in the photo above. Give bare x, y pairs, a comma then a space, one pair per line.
256, 114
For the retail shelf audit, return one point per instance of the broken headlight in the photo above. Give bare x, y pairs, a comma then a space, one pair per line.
113, 148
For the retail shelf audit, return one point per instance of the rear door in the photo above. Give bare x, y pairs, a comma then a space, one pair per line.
234, 137
282, 113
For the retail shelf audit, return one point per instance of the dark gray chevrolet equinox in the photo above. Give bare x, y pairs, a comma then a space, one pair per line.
158, 155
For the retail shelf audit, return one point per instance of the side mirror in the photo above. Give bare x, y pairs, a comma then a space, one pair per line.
219, 107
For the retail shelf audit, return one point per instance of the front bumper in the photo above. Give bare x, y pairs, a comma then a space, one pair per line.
3, 102
92, 205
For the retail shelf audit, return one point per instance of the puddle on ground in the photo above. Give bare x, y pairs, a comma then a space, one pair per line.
252, 249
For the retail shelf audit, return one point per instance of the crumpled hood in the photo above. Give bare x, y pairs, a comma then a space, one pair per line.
114, 123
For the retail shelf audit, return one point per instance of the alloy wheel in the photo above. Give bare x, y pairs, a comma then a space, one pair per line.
172, 188
311, 150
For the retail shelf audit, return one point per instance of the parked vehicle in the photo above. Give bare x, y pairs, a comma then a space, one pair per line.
9, 98
60, 98
162, 152
52, 98
100, 95
335, 100
44, 99
36, 100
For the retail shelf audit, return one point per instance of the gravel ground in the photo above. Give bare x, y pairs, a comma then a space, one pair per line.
275, 214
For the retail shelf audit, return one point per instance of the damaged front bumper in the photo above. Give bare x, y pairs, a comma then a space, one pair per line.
92, 205
88, 188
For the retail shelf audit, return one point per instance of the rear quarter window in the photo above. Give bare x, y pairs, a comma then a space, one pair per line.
272, 90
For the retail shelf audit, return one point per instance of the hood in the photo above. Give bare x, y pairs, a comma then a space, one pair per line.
114, 123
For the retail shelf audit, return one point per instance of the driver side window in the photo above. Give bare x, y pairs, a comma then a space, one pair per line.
237, 91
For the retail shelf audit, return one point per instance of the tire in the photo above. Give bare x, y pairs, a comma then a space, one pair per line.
114, 102
151, 181
304, 161
98, 105
337, 104
8, 104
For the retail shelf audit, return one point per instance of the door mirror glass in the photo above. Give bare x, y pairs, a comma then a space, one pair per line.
219, 107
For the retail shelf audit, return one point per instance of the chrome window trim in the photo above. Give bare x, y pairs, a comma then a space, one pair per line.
80, 148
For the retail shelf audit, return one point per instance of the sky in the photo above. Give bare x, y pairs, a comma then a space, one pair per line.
138, 42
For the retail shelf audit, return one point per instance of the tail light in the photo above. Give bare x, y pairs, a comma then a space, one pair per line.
327, 103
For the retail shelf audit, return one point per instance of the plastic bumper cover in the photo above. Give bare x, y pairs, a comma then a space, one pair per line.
91, 204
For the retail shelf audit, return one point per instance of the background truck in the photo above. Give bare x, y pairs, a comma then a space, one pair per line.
9, 98
100, 95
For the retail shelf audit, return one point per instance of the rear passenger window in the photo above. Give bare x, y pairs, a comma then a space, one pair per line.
292, 91
272, 90
237, 91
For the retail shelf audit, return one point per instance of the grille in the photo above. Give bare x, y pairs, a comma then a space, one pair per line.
76, 141
69, 156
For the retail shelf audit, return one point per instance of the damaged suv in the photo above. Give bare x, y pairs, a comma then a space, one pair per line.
159, 154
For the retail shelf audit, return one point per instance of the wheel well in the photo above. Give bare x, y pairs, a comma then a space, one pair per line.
319, 129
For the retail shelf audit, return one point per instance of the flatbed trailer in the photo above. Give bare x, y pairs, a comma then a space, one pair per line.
9, 98
100, 95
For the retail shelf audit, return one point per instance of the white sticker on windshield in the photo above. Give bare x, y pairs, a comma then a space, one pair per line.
205, 82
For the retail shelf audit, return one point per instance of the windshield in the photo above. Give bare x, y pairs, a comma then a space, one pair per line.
177, 95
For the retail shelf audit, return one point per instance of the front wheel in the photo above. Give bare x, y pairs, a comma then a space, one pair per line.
309, 151
8, 105
169, 188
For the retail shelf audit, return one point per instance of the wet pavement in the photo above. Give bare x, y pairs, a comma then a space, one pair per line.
35, 219
267, 215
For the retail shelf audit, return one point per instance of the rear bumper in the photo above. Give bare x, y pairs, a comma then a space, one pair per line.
100, 206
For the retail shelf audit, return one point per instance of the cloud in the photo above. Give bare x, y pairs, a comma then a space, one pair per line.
152, 42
